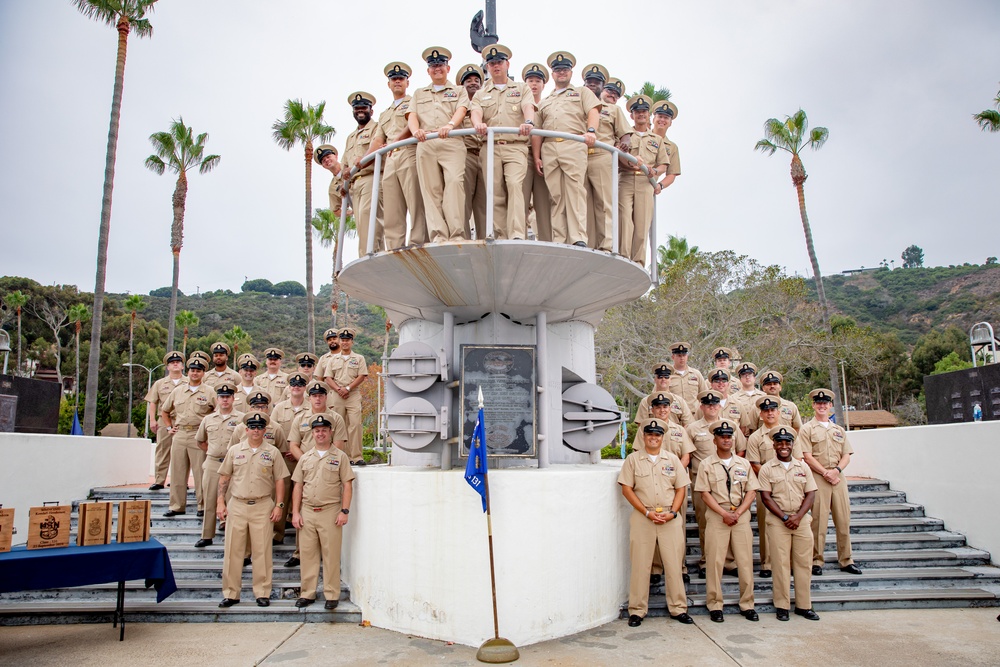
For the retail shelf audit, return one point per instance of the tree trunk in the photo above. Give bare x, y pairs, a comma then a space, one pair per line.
131, 339
798, 179
334, 287
176, 242
93, 369
310, 299
17, 371
184, 352
76, 384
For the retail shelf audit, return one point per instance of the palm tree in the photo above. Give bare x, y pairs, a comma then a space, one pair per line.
133, 303
303, 124
186, 320
126, 16
16, 300
179, 150
793, 135
989, 120
327, 226
650, 90
676, 251
237, 337
78, 312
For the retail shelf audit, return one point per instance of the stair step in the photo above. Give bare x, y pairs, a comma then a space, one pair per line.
187, 589
885, 541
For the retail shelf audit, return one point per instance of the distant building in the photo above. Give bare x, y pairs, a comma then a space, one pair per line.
859, 420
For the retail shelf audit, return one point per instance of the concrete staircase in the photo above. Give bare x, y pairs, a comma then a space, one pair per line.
198, 573
909, 561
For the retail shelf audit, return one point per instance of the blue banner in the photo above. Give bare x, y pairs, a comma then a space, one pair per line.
475, 469
76, 429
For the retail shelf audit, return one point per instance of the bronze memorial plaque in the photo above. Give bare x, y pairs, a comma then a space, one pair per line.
507, 375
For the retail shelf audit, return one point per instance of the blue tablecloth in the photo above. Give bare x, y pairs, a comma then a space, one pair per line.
22, 570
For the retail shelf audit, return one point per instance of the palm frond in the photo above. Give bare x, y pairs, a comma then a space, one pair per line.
155, 164
818, 137
988, 120
209, 163
765, 146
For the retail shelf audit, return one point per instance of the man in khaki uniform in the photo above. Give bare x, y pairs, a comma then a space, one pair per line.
685, 382
537, 206
635, 192
655, 484
748, 392
787, 489
760, 450
400, 188
213, 437
788, 413
563, 164
675, 437
704, 446
273, 380
248, 365
470, 77
440, 107
611, 129
343, 374
155, 398
732, 410
326, 157
221, 372
727, 485
503, 102
321, 503
679, 411
827, 452
284, 412
358, 143
257, 475
181, 414
307, 362
664, 113
723, 357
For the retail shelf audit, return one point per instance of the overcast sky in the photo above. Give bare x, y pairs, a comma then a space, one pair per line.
896, 82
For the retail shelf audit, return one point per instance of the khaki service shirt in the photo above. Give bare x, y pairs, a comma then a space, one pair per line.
274, 386
213, 378
284, 413
566, 110
343, 368
357, 145
158, 393
655, 483
789, 487
217, 430
760, 447
273, 435
392, 122
253, 473
186, 405
676, 440
688, 384
650, 149
436, 107
680, 413
323, 477
300, 430
675, 157
827, 445
714, 475
613, 125
502, 108
788, 415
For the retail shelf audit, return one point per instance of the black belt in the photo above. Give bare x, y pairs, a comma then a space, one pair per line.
251, 502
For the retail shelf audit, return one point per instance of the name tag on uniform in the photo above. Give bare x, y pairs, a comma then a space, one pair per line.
239, 457
487, 97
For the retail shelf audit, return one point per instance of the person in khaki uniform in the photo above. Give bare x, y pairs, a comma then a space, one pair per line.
675, 437
760, 450
680, 413
343, 374
273, 380
635, 192
685, 381
248, 365
727, 485
723, 357
748, 392
470, 77
537, 206
256, 474
155, 398
221, 373
307, 363
827, 452
704, 446
400, 188
282, 415
612, 128
735, 411
788, 413
787, 489
563, 164
655, 484
440, 107
181, 414
321, 504
664, 113
503, 102
357, 145
213, 438
326, 156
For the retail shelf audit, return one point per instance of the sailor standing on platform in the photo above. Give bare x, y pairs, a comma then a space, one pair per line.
326, 157
343, 374
213, 437
612, 129
248, 365
470, 77
155, 398
181, 414
635, 196
536, 194
685, 381
664, 113
358, 141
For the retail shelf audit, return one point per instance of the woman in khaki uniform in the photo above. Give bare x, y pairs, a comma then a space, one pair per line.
655, 484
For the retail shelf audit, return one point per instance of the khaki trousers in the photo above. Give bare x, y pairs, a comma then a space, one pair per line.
835, 498
361, 203
162, 455
719, 538
281, 524
645, 539
564, 164
763, 548
536, 197
350, 410
635, 213
599, 197
401, 193
321, 539
248, 523
700, 508
790, 555
185, 458
441, 168
210, 490
475, 196
510, 166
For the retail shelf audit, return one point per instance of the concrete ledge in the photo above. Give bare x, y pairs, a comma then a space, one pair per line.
40, 468
417, 561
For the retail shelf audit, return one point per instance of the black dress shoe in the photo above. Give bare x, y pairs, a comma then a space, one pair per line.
292, 562
655, 579
303, 602
580, 244
201, 514
765, 574
156, 487
331, 604
202, 543
634, 621
716, 616
683, 618
263, 602
359, 462
732, 573
750, 615
686, 577
701, 573
277, 542
808, 614
172, 513
851, 569
228, 602
781, 614
247, 561
817, 570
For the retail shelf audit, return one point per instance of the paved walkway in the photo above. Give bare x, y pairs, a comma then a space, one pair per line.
879, 638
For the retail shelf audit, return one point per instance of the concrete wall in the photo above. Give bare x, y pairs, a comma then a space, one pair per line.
950, 469
40, 468
416, 556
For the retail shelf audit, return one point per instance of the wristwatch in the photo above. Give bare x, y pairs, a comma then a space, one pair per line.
591, 130
529, 122
784, 518
344, 510
281, 506
838, 468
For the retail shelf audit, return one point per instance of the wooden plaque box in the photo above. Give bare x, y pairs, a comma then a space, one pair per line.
133, 521
6, 528
93, 525
48, 526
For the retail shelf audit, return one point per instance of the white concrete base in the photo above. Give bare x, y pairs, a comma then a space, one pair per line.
40, 468
417, 561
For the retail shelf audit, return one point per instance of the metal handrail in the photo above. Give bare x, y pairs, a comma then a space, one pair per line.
376, 157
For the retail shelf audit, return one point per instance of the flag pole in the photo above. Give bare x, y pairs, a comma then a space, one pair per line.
498, 649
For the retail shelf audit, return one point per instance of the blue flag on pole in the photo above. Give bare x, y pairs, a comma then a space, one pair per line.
475, 469
76, 429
